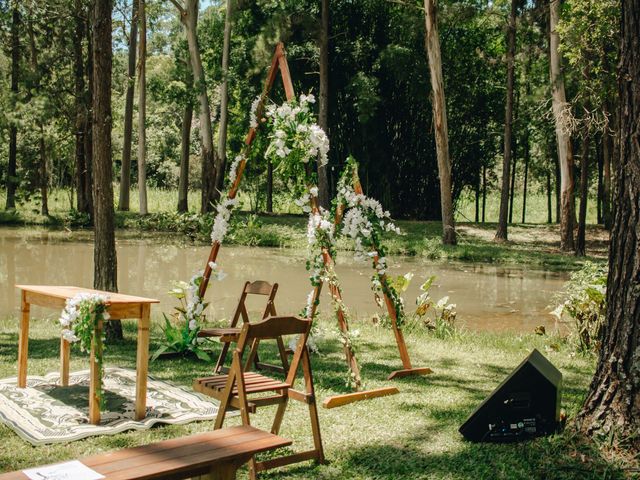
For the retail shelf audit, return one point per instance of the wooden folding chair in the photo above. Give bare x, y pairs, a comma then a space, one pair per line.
233, 389
232, 333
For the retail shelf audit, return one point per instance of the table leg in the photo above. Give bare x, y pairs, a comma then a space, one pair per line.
95, 379
23, 342
65, 348
142, 362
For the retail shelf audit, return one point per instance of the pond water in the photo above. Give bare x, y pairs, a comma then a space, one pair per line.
488, 297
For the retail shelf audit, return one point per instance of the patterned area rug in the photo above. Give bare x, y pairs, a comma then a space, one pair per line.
46, 412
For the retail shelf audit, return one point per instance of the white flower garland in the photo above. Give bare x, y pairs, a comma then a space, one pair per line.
71, 312
221, 222
253, 119
233, 170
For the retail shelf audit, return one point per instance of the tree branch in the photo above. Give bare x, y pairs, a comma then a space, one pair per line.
179, 7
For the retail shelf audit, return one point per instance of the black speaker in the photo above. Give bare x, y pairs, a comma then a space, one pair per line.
525, 405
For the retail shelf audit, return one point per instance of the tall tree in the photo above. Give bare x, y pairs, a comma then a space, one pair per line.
224, 96
12, 169
612, 404
43, 177
560, 113
125, 170
104, 254
142, 109
501, 232
210, 165
323, 100
185, 149
432, 46
87, 173
83, 187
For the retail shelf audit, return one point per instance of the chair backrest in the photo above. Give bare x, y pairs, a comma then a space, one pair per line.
274, 326
260, 287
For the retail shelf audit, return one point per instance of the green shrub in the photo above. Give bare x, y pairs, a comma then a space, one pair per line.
585, 303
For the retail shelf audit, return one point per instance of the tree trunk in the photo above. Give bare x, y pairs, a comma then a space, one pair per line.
501, 233
104, 256
607, 153
484, 191
612, 407
549, 214
269, 186
527, 155
142, 109
224, 98
477, 202
599, 159
584, 190
83, 204
210, 166
557, 185
44, 175
42, 147
512, 187
125, 170
12, 180
87, 174
185, 150
323, 101
432, 45
565, 154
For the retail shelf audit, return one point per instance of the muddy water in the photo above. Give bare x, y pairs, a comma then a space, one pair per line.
488, 297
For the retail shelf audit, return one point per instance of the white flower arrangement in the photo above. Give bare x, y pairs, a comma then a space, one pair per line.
296, 137
221, 221
89, 305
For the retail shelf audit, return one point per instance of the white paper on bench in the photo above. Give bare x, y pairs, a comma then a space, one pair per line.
73, 470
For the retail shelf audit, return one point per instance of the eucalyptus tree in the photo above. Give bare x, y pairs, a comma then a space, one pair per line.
588, 30
142, 108
224, 93
501, 233
432, 45
563, 137
13, 130
211, 167
125, 169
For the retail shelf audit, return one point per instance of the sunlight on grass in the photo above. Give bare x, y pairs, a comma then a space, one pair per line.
410, 435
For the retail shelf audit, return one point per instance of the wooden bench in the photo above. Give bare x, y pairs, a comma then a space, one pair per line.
217, 454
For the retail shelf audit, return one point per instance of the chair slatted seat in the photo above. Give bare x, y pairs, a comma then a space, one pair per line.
233, 390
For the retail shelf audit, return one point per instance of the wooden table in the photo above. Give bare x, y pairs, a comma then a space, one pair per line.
217, 454
119, 306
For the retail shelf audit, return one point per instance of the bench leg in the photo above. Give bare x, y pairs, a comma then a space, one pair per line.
226, 471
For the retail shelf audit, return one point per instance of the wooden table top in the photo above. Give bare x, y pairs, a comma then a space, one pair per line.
66, 292
184, 454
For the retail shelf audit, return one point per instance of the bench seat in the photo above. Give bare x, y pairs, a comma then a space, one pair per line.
218, 454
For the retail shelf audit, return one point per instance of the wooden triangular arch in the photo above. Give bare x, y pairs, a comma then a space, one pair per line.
279, 63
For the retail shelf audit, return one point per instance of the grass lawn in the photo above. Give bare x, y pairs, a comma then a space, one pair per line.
412, 435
